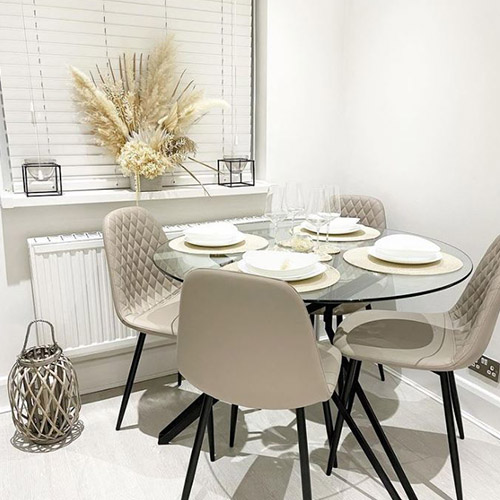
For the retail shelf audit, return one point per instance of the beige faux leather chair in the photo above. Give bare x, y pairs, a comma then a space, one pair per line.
258, 352
144, 298
439, 342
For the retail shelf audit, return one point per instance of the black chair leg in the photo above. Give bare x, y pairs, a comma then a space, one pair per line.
328, 319
456, 405
305, 471
130, 378
234, 420
339, 319
198, 441
396, 465
381, 372
346, 398
211, 435
366, 448
179, 379
450, 428
327, 412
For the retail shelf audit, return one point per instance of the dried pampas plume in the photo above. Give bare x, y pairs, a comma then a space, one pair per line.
142, 112
100, 113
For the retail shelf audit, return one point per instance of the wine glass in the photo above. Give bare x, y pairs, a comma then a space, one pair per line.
294, 201
318, 210
275, 208
333, 193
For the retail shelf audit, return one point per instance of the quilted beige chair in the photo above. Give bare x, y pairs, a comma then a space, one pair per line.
439, 342
144, 298
259, 353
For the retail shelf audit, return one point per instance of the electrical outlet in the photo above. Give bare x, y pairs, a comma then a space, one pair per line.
486, 367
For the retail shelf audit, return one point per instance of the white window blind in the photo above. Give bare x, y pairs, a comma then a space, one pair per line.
40, 39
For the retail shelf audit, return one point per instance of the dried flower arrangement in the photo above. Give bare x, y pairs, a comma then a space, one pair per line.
142, 114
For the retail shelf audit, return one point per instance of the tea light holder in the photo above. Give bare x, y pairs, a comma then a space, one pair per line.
42, 178
236, 172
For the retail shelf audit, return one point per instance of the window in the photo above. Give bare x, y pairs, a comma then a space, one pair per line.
41, 38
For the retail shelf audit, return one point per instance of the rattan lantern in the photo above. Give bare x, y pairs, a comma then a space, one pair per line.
43, 392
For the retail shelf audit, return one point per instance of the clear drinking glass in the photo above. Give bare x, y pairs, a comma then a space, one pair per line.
275, 208
333, 193
318, 210
294, 201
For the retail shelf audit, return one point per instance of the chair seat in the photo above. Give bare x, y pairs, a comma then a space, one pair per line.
408, 340
161, 319
331, 360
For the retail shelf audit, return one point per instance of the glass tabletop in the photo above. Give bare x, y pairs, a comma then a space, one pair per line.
355, 284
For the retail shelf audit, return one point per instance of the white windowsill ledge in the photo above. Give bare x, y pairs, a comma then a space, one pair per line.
19, 200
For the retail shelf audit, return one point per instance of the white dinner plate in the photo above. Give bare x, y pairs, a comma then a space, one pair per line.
223, 242
404, 260
332, 231
318, 269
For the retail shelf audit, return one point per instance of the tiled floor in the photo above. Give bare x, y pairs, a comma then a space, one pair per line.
104, 464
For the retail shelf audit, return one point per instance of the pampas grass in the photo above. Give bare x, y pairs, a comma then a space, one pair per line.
100, 114
142, 113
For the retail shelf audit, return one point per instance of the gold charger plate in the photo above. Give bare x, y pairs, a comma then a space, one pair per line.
360, 257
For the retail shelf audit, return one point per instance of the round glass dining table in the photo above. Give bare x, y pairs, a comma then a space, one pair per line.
355, 284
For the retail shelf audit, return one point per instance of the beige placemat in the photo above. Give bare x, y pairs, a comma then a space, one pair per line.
251, 242
359, 257
324, 280
364, 234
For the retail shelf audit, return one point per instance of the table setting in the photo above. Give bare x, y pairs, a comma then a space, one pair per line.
218, 238
303, 271
403, 254
306, 240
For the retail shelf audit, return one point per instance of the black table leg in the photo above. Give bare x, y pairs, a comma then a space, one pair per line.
183, 420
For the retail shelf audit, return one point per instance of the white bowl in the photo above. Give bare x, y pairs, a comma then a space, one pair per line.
406, 246
215, 230
317, 269
215, 242
213, 234
282, 264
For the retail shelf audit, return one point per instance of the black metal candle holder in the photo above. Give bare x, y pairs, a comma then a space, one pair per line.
236, 172
42, 178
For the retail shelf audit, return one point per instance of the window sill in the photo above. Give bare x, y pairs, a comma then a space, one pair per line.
19, 200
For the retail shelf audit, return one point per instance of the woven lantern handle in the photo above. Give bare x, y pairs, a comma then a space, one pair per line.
29, 329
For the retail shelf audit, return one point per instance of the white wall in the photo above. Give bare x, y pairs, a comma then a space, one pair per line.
298, 87
421, 123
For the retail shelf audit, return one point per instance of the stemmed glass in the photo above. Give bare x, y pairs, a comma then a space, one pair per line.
275, 209
318, 210
333, 193
294, 201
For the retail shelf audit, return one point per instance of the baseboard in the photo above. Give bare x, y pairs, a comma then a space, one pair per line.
99, 372
483, 402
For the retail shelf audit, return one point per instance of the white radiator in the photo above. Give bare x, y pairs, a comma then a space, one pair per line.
71, 289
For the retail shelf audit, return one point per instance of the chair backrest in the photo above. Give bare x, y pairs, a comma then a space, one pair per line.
131, 237
476, 312
370, 210
248, 340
